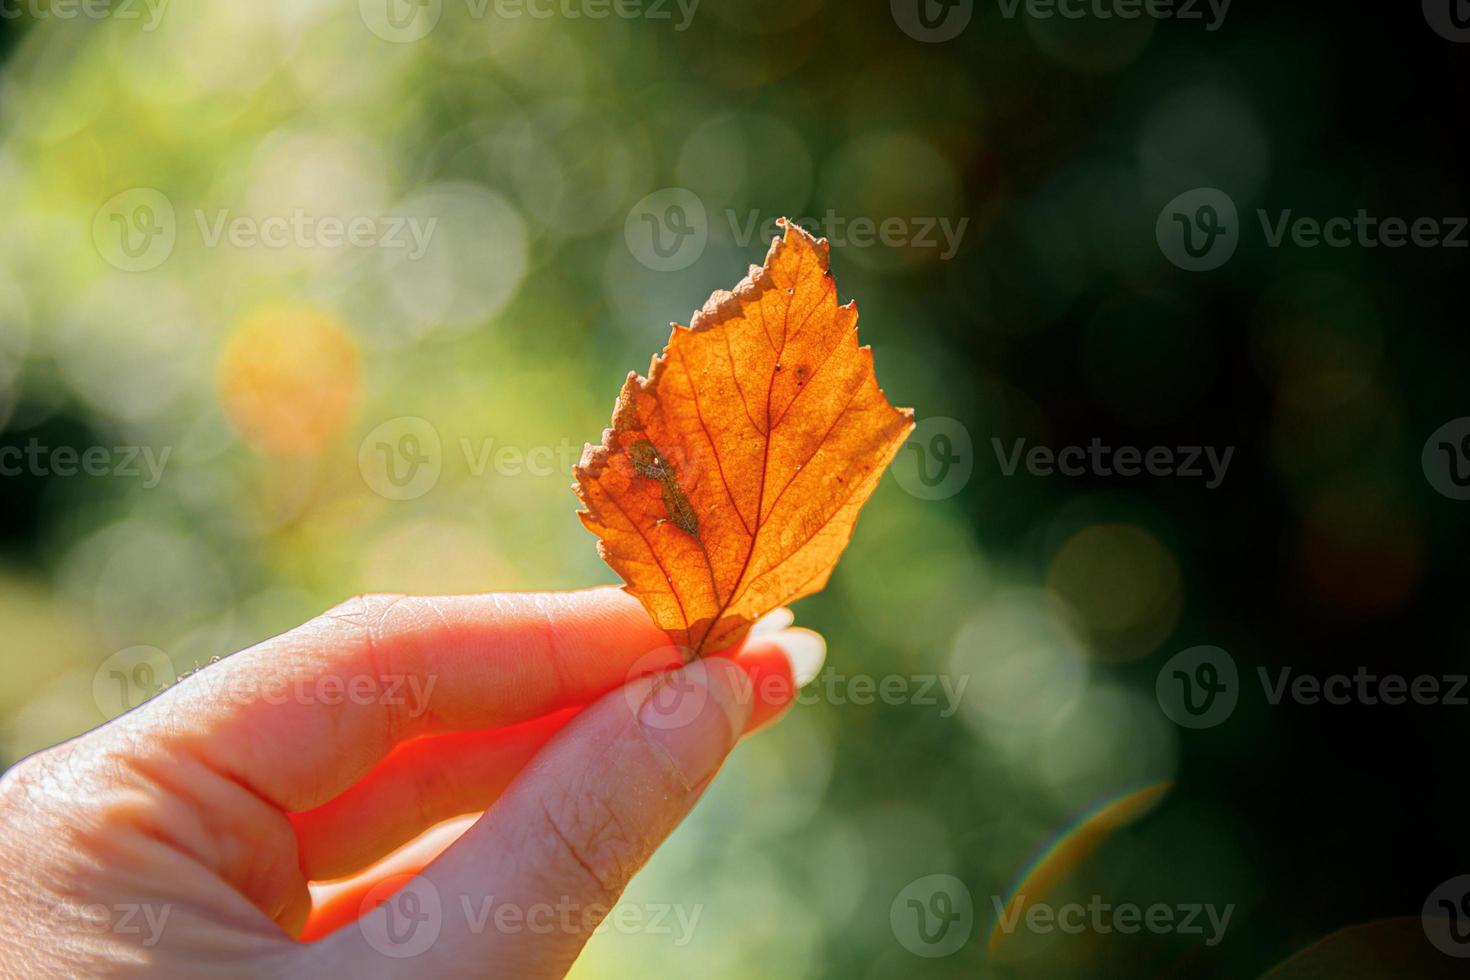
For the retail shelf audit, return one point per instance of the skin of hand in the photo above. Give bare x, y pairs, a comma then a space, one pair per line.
180, 839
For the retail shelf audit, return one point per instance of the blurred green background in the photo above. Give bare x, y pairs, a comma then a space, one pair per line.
326, 417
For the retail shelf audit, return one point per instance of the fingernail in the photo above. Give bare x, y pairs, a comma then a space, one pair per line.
807, 651
773, 622
696, 714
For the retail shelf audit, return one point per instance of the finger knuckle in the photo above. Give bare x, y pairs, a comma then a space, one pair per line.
594, 841
361, 623
361, 618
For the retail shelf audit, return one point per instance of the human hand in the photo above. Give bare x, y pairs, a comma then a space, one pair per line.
180, 838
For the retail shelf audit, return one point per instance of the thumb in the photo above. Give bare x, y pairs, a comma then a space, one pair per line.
521, 892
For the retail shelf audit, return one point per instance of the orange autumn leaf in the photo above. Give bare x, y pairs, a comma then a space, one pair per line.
733, 474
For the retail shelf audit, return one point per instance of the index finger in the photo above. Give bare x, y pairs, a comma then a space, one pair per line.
301, 717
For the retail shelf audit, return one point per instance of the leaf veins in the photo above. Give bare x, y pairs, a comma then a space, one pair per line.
732, 476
